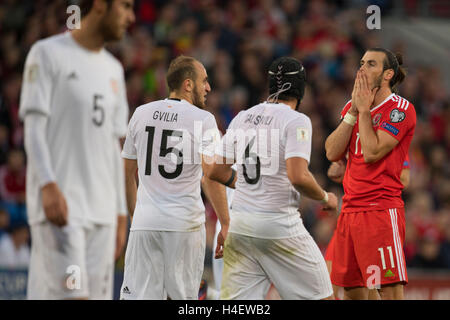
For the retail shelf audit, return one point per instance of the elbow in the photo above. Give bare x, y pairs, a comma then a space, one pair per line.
298, 180
332, 157
370, 158
211, 173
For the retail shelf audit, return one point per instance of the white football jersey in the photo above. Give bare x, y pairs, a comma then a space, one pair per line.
260, 140
167, 138
83, 94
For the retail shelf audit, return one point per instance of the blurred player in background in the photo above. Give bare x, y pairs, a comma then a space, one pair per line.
267, 241
336, 173
376, 130
166, 248
75, 109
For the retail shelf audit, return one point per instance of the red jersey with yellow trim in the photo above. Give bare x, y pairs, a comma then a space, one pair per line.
377, 186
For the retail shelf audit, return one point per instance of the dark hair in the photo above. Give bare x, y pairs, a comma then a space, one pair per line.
394, 62
180, 69
287, 72
86, 6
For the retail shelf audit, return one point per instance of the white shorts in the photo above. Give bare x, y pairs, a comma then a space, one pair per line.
294, 265
71, 262
163, 263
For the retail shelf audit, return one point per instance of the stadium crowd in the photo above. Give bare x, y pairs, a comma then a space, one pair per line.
236, 41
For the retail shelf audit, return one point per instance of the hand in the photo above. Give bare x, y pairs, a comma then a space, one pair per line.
220, 242
54, 204
332, 203
336, 171
362, 95
121, 236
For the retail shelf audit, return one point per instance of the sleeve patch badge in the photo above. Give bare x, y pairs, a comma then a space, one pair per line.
397, 116
302, 134
32, 72
390, 128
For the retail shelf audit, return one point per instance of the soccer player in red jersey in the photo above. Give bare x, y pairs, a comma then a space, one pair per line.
376, 131
336, 173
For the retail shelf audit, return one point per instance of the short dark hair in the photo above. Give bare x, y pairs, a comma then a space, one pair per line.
287, 72
86, 6
180, 69
394, 62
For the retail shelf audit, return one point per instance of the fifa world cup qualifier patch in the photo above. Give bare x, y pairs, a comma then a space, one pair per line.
397, 116
32, 72
390, 128
302, 134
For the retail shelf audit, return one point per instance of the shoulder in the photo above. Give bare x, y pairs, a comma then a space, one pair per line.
402, 103
401, 109
147, 107
295, 117
49, 44
113, 61
197, 113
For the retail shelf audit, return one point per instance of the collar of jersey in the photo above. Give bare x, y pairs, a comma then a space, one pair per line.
277, 103
388, 98
180, 101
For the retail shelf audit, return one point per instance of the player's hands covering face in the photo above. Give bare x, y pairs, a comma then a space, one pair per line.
362, 95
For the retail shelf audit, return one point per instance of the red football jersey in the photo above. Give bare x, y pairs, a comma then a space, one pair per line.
377, 186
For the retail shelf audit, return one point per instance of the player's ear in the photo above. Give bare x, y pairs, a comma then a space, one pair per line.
388, 74
188, 85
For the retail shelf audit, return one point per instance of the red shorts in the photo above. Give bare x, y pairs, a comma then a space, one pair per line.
330, 249
368, 249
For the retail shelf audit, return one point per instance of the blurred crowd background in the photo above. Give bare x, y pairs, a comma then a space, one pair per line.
236, 41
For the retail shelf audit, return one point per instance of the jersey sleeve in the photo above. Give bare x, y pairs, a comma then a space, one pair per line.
122, 110
210, 136
298, 136
399, 119
227, 145
345, 109
119, 172
38, 81
129, 147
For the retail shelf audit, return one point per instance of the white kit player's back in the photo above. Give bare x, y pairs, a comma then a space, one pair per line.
167, 138
260, 138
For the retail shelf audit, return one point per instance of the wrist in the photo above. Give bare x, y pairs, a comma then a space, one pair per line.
364, 112
350, 119
325, 198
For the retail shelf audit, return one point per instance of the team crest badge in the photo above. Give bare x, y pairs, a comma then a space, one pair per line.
114, 86
397, 116
376, 119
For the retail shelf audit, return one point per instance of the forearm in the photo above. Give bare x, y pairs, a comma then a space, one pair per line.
337, 142
36, 146
122, 224
216, 194
309, 187
368, 137
131, 191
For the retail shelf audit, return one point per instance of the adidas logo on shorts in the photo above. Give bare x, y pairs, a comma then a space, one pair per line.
126, 290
